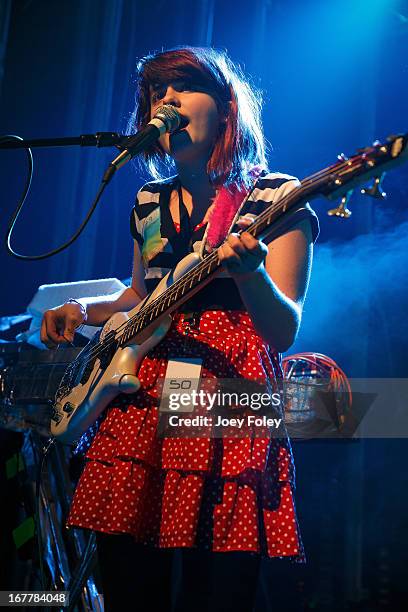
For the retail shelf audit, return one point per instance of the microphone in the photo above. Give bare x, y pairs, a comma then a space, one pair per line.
166, 119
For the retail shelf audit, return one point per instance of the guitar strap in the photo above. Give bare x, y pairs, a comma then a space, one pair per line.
185, 221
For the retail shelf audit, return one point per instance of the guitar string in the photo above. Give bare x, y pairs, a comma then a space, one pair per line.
210, 260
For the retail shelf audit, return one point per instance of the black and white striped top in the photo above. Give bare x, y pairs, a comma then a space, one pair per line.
162, 246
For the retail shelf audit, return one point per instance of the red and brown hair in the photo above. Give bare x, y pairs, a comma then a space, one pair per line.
240, 143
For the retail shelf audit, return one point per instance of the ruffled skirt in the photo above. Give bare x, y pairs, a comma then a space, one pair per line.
222, 494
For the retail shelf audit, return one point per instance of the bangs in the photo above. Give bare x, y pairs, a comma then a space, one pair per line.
180, 65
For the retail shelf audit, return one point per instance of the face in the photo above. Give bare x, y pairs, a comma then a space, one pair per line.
195, 142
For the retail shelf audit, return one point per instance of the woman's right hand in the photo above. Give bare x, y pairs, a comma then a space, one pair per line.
59, 323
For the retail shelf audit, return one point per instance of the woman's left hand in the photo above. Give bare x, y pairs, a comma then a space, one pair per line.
242, 254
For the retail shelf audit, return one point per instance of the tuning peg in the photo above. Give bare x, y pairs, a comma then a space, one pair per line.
342, 157
375, 191
342, 210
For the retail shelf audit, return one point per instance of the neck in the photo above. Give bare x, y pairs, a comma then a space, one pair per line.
194, 177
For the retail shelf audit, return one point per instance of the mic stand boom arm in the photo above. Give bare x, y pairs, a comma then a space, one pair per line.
100, 139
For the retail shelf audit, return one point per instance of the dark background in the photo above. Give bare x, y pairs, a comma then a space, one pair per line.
334, 77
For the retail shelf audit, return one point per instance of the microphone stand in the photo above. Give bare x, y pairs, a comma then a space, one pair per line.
100, 139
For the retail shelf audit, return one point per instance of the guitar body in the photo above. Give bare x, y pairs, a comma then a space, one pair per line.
91, 383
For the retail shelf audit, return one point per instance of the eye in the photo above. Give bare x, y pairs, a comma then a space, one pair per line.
183, 85
156, 95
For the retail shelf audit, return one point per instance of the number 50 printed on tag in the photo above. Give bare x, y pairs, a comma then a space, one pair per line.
181, 385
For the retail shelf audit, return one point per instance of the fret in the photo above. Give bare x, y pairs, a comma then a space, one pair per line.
157, 309
123, 338
186, 288
196, 277
171, 298
149, 319
131, 329
176, 292
166, 301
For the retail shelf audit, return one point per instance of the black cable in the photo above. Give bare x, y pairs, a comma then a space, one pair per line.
40, 545
21, 203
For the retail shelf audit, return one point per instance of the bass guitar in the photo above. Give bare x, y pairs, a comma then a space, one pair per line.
107, 365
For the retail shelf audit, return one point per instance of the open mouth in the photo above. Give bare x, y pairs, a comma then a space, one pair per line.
180, 130
183, 123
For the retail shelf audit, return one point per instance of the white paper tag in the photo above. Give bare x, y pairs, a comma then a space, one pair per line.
181, 384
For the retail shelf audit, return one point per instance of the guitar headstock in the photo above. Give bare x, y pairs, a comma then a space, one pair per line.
340, 179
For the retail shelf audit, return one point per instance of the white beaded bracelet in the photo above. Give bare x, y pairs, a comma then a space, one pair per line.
84, 312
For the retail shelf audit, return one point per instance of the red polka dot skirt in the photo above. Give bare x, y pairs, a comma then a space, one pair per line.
222, 494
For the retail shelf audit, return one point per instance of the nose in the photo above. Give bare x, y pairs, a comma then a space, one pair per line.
171, 97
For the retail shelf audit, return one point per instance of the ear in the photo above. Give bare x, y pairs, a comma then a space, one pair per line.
224, 113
